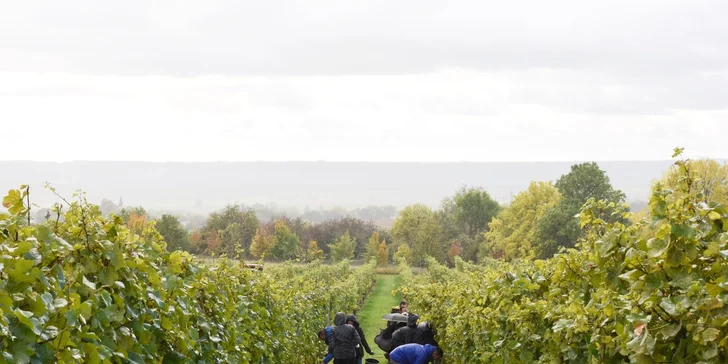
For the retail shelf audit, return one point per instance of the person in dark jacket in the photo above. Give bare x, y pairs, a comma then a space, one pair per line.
364, 345
343, 341
428, 333
409, 334
384, 339
416, 354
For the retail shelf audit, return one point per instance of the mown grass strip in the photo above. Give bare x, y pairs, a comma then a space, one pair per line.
378, 304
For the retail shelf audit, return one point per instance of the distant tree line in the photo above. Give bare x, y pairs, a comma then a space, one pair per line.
237, 232
536, 224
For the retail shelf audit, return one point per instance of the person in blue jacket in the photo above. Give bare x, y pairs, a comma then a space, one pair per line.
415, 354
324, 335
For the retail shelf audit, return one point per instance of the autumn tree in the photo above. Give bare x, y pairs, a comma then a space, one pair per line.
174, 234
136, 222
417, 227
513, 234
212, 242
197, 243
313, 252
707, 179
455, 251
377, 249
372, 247
382, 254
127, 212
703, 181
263, 242
343, 248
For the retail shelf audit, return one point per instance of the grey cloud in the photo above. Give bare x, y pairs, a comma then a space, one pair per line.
375, 37
615, 57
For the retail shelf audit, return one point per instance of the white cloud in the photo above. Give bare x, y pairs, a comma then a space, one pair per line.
447, 115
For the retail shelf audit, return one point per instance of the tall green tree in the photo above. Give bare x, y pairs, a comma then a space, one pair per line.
474, 209
586, 181
464, 217
232, 240
286, 242
559, 226
174, 234
343, 248
417, 227
236, 237
445, 216
327, 232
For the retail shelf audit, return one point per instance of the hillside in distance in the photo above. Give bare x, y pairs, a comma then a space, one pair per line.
204, 187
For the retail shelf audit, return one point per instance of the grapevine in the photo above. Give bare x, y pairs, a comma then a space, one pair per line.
82, 288
650, 291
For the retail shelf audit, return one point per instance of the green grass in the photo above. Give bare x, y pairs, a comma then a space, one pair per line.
378, 304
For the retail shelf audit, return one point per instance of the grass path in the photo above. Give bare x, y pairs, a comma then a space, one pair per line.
378, 304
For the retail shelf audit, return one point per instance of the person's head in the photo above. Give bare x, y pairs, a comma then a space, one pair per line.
340, 318
351, 320
437, 354
322, 334
403, 306
412, 320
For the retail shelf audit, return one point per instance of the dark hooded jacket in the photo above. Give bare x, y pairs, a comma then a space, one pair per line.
364, 343
344, 338
428, 333
409, 334
384, 339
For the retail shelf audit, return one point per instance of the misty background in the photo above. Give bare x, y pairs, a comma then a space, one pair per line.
314, 190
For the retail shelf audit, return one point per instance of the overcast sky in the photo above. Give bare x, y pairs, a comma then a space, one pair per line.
367, 80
